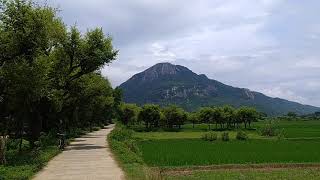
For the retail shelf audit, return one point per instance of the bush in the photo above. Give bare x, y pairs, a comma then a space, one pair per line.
281, 134
121, 134
210, 136
241, 135
225, 136
268, 130
47, 139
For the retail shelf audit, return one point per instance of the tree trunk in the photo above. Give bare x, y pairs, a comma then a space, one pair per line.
3, 145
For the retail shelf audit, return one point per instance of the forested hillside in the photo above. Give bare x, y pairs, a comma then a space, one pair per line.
165, 84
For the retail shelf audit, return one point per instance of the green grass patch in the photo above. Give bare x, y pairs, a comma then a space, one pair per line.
124, 147
195, 152
24, 165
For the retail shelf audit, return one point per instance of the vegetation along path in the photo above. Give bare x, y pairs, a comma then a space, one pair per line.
87, 158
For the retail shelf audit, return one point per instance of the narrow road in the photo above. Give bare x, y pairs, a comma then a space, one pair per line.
87, 158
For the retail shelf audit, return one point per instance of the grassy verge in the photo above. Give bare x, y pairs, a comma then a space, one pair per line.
124, 146
23, 165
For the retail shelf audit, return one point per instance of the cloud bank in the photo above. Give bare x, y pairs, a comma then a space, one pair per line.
271, 46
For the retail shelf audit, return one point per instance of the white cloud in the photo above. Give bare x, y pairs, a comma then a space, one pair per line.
267, 45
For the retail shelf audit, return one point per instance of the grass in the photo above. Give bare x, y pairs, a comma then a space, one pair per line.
183, 148
123, 146
194, 152
299, 129
24, 165
292, 174
293, 129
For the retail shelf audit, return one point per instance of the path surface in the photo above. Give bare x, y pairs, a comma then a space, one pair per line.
87, 158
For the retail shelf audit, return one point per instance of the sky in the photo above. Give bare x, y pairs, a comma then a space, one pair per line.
269, 46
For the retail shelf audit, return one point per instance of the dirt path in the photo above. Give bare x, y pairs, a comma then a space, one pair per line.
240, 167
87, 158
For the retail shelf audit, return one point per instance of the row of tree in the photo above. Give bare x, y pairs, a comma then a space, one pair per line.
49, 73
153, 116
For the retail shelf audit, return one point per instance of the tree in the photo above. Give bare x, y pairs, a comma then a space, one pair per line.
193, 118
206, 115
228, 115
27, 35
49, 73
247, 115
174, 116
129, 113
292, 115
150, 114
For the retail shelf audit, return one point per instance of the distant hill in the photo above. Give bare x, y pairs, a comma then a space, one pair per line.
165, 83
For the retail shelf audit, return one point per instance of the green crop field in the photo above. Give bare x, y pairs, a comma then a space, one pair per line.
298, 129
184, 148
191, 152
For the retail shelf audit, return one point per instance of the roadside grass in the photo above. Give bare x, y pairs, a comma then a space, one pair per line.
196, 152
23, 165
123, 146
267, 174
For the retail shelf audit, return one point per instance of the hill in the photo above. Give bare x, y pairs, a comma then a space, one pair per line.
165, 83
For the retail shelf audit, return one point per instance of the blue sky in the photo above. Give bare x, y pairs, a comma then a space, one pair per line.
270, 46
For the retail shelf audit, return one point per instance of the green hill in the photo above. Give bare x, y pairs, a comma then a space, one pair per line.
165, 83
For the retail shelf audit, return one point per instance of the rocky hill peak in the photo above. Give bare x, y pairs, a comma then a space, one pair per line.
161, 69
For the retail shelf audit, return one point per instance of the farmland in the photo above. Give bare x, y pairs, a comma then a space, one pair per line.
196, 152
171, 151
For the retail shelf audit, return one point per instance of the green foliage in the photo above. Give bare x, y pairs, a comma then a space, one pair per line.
25, 164
126, 150
225, 136
268, 130
281, 134
174, 116
129, 113
241, 135
209, 136
151, 115
49, 74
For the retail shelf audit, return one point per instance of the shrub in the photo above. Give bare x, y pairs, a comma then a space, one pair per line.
268, 130
121, 134
47, 139
281, 134
241, 135
210, 136
225, 136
